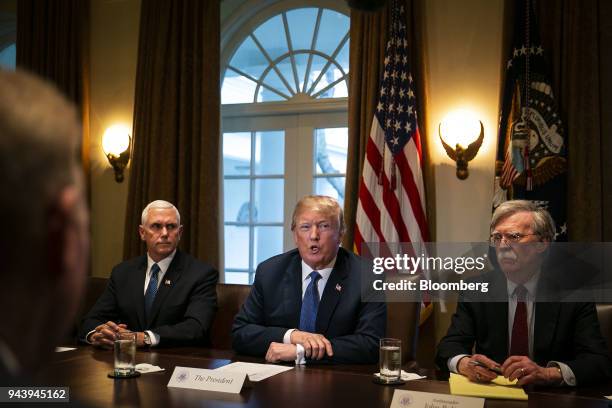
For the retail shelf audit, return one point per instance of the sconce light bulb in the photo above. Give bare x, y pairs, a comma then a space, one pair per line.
116, 140
460, 127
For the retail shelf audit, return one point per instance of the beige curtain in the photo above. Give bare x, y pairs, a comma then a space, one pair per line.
176, 122
577, 35
53, 42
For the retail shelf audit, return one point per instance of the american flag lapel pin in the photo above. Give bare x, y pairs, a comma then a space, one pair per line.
338, 287
167, 282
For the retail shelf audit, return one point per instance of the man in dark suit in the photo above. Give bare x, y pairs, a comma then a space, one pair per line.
307, 304
46, 246
537, 342
168, 297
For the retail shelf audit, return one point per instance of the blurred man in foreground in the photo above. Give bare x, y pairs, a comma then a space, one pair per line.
44, 247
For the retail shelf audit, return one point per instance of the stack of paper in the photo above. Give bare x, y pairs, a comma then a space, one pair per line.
500, 388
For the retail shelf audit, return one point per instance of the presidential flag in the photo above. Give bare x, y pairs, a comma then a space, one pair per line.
531, 156
391, 205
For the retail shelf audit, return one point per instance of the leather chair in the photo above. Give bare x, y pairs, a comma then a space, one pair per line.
229, 300
403, 324
604, 313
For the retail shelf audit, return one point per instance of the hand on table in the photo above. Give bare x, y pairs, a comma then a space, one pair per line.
528, 372
477, 373
281, 352
104, 334
316, 346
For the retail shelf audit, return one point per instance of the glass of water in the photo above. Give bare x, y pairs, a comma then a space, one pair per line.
390, 360
125, 353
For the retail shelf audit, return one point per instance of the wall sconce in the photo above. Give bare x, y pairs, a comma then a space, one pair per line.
117, 145
459, 129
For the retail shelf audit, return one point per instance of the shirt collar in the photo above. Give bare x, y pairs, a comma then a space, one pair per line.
324, 272
531, 285
164, 264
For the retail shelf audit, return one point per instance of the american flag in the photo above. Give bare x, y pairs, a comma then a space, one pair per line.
391, 205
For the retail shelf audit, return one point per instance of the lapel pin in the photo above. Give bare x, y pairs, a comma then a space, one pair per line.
167, 282
338, 287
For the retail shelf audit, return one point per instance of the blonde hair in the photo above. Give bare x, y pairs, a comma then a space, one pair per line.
325, 205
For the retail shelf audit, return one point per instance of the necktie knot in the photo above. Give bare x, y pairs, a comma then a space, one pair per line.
155, 270
521, 293
152, 288
314, 276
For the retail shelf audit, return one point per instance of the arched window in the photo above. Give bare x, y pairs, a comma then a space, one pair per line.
284, 116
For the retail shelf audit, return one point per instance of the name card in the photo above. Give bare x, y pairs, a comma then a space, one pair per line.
416, 399
206, 380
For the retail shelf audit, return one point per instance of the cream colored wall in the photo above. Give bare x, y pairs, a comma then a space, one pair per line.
463, 43
114, 42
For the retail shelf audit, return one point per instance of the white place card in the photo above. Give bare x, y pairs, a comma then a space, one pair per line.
416, 399
206, 380
256, 372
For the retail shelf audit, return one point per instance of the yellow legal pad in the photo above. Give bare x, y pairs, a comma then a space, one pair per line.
500, 388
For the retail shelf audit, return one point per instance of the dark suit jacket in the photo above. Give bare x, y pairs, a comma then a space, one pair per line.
273, 307
183, 309
564, 331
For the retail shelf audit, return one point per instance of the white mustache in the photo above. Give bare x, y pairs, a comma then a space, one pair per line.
507, 256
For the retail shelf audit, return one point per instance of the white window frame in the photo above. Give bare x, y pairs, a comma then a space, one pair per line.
298, 117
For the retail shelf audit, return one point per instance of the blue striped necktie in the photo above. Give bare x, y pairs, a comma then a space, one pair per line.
310, 304
151, 289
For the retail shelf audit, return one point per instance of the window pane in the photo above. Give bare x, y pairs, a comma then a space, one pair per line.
273, 81
236, 247
269, 200
271, 35
343, 57
334, 26
8, 57
301, 61
301, 27
318, 63
332, 73
236, 200
266, 95
237, 278
331, 186
331, 147
286, 69
236, 153
268, 242
249, 59
237, 88
338, 91
270, 152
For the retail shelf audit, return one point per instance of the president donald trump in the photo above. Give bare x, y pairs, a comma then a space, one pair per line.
306, 304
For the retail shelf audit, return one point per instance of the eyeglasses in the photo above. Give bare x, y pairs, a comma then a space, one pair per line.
511, 238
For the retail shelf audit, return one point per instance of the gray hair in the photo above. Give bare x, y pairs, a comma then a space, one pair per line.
160, 205
542, 225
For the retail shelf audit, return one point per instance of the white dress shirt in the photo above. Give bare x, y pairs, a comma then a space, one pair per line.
306, 271
532, 286
164, 264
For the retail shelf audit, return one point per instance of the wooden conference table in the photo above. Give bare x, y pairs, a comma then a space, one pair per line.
84, 371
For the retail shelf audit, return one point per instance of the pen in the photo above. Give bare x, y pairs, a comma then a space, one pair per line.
479, 364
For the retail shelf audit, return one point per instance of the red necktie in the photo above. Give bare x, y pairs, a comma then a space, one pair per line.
519, 345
